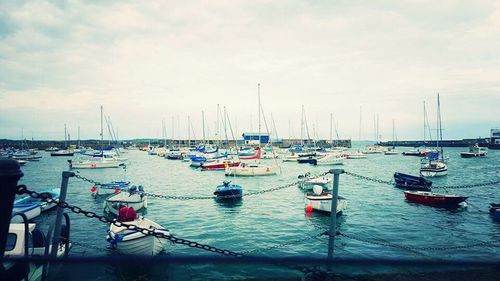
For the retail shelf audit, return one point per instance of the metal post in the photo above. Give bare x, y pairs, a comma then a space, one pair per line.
333, 215
10, 173
62, 197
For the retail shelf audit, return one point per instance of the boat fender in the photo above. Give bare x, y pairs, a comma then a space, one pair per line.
317, 189
93, 189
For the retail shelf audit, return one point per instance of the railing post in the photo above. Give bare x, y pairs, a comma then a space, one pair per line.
333, 215
56, 236
10, 173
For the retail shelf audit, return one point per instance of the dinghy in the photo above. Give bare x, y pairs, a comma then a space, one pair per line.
410, 182
228, 191
434, 199
134, 197
133, 242
322, 201
109, 188
32, 207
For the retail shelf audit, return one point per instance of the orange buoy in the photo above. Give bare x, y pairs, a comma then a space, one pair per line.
309, 208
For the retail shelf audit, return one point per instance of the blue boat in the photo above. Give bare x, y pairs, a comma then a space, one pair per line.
109, 188
409, 182
32, 207
495, 211
228, 191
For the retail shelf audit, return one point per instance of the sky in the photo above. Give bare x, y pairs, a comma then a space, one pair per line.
145, 61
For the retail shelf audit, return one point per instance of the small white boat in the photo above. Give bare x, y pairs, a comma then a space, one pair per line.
292, 157
133, 242
391, 151
356, 155
330, 159
97, 163
134, 197
474, 151
322, 201
434, 169
309, 183
250, 170
32, 207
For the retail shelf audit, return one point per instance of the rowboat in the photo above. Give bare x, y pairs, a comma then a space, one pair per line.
133, 242
410, 182
228, 191
134, 197
434, 199
322, 201
32, 207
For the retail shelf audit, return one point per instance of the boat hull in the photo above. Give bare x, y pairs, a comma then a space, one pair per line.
323, 203
472, 155
433, 199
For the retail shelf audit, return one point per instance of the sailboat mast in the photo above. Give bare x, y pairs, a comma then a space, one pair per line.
425, 118
189, 131
439, 124
302, 126
203, 124
65, 137
258, 98
78, 136
359, 133
393, 135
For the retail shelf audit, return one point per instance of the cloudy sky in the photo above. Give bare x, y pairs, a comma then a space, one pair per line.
145, 61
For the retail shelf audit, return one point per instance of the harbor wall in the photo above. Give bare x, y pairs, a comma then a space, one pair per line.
483, 142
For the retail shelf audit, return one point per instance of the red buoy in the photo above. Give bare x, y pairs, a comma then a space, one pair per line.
93, 189
117, 191
309, 208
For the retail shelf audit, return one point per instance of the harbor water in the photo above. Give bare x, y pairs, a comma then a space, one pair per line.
375, 212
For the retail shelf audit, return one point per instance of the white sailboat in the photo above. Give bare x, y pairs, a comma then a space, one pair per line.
434, 165
253, 169
392, 150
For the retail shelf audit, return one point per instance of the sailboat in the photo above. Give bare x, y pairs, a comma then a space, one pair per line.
95, 162
392, 150
253, 169
63, 152
434, 164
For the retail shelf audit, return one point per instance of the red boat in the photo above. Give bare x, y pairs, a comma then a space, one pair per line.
257, 155
219, 164
434, 199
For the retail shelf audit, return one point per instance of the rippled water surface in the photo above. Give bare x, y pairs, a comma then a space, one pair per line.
375, 211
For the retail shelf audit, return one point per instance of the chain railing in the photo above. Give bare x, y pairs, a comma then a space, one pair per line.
184, 197
390, 182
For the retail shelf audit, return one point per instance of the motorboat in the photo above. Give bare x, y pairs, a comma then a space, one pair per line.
409, 182
330, 159
434, 199
134, 197
134, 242
228, 191
51, 149
391, 151
32, 207
62, 152
308, 183
94, 163
307, 160
109, 188
474, 151
251, 169
219, 164
322, 201
22, 162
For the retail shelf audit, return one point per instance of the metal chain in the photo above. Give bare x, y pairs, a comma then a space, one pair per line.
95, 183
22, 189
368, 178
467, 185
284, 244
182, 197
436, 187
428, 248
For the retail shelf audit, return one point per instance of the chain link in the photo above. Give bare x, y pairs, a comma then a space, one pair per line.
284, 244
95, 183
368, 178
434, 187
428, 248
22, 189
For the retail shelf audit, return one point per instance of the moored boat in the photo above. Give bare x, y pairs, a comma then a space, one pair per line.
219, 164
308, 183
322, 201
474, 151
410, 182
432, 166
330, 159
109, 188
62, 152
94, 163
133, 242
228, 191
134, 197
434, 199
32, 207
495, 211
251, 169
